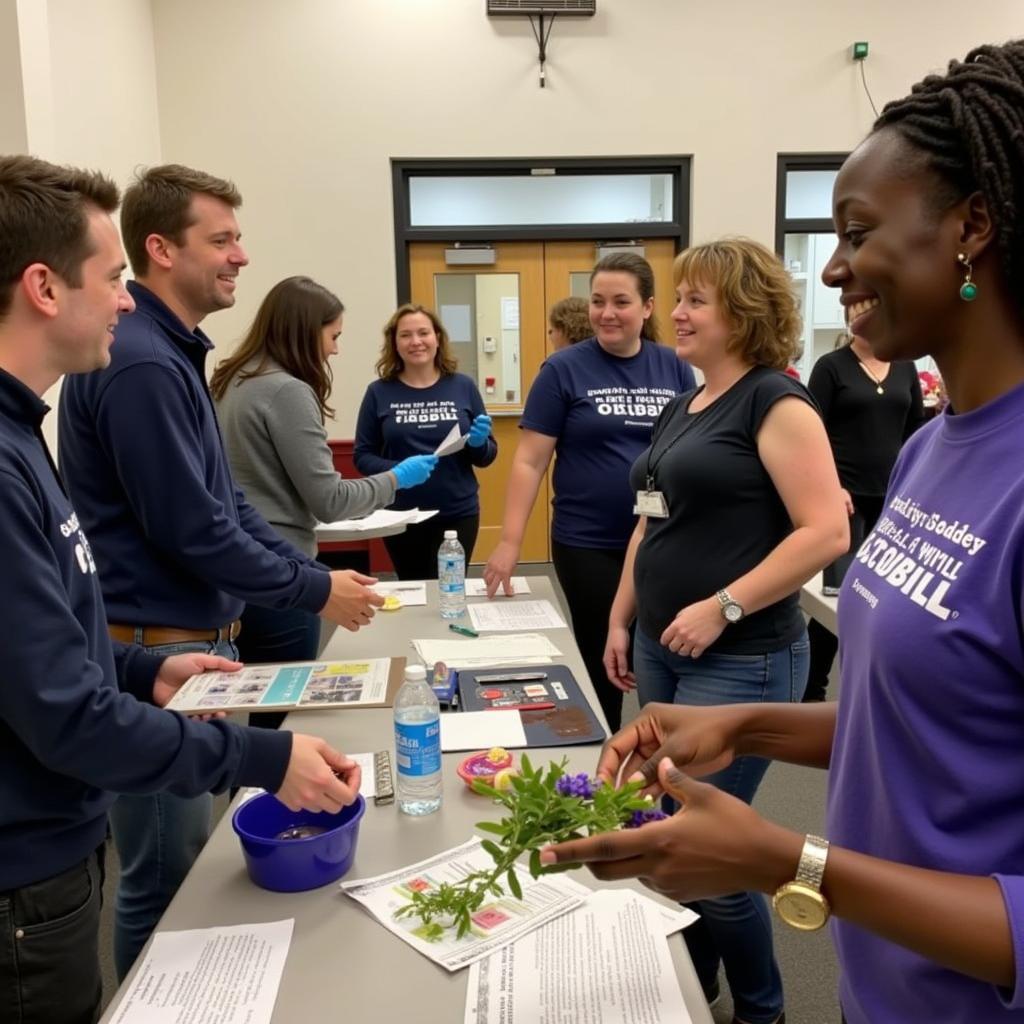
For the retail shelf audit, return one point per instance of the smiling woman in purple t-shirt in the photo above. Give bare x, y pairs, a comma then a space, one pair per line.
925, 872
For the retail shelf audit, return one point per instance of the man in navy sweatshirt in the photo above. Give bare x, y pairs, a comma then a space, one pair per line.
179, 550
79, 713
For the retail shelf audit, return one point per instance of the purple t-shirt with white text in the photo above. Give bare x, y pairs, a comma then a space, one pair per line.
928, 762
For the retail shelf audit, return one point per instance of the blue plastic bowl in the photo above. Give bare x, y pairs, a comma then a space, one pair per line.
293, 865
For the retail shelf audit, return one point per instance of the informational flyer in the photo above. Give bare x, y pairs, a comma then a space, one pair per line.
296, 686
606, 961
497, 922
209, 976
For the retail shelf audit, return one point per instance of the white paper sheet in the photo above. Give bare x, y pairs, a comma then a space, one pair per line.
209, 976
497, 922
508, 616
476, 587
606, 961
422, 515
509, 649
383, 517
453, 442
481, 730
409, 592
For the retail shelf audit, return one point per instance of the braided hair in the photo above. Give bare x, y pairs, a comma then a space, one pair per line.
969, 124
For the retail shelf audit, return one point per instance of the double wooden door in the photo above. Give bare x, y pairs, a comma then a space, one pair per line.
496, 317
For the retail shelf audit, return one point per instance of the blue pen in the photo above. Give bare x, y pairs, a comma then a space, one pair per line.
463, 630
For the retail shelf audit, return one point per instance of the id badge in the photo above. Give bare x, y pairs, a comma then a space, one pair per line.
651, 504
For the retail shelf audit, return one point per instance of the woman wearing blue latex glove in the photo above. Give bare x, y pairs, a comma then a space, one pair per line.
416, 469
271, 397
479, 431
410, 411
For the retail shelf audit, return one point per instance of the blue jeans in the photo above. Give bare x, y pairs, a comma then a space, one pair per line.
158, 836
734, 930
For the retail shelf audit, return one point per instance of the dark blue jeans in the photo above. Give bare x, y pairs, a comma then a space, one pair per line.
269, 635
734, 930
49, 934
157, 837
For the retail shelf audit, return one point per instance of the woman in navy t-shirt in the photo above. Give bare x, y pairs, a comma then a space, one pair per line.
594, 404
409, 411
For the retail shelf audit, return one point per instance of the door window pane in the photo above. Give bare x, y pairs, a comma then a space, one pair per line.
579, 284
481, 315
485, 200
809, 194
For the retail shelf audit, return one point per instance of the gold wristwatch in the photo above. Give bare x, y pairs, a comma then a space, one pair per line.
800, 903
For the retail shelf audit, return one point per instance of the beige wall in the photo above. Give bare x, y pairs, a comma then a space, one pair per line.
304, 102
13, 135
88, 89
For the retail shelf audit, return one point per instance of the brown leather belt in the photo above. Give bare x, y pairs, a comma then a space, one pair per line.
154, 636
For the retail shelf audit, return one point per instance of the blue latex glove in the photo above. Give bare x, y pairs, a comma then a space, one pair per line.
414, 470
479, 431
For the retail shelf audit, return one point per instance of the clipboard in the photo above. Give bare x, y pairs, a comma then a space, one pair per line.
349, 683
563, 715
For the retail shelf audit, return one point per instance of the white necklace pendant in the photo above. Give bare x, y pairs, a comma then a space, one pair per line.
880, 390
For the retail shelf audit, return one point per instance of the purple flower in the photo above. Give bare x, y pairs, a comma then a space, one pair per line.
576, 785
639, 818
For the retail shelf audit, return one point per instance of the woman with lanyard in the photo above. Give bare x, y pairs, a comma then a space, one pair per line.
594, 404
922, 860
870, 407
739, 505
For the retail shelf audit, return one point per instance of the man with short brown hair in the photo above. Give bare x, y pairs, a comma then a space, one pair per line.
79, 719
179, 550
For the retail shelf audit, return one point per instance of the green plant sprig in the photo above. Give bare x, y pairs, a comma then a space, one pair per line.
538, 814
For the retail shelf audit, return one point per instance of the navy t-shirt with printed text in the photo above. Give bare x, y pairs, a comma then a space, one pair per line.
396, 421
601, 409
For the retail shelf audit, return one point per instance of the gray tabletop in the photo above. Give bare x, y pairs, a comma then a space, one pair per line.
342, 964
818, 605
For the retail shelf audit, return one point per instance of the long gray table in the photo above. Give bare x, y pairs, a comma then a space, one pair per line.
342, 964
818, 605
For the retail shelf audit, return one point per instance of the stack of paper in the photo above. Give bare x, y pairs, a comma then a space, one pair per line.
606, 961
383, 517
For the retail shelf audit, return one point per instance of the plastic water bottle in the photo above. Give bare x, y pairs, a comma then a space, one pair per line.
451, 576
417, 744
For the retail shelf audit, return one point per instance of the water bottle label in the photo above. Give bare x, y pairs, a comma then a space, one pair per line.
418, 748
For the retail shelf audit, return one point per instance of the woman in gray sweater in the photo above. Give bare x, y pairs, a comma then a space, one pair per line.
271, 398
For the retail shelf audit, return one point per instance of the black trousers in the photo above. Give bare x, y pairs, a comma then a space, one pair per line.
414, 553
49, 939
824, 643
589, 578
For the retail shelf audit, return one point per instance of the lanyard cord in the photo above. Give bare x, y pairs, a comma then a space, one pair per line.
652, 466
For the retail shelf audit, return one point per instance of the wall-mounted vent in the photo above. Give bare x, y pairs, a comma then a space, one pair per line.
579, 8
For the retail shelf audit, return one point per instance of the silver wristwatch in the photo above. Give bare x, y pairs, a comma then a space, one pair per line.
732, 610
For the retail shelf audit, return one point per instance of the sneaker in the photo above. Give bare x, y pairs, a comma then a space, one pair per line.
781, 1019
